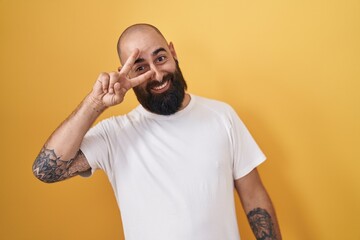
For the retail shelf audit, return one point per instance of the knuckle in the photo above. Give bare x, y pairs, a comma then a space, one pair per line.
122, 74
114, 75
104, 76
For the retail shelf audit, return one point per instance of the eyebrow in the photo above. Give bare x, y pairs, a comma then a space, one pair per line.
158, 50
154, 53
139, 60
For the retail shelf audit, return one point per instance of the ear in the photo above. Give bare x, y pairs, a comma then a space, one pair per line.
172, 50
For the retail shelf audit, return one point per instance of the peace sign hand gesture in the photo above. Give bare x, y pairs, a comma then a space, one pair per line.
110, 88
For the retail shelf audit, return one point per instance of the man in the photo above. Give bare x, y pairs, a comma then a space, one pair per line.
173, 161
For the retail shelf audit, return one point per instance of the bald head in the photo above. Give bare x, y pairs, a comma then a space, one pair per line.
136, 31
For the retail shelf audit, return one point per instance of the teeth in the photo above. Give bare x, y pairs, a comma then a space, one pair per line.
161, 86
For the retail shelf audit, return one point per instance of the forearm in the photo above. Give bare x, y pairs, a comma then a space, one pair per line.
262, 217
258, 207
67, 138
60, 157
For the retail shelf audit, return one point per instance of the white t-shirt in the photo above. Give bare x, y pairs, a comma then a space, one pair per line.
173, 176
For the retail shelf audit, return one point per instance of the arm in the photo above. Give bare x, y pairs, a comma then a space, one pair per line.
61, 157
258, 207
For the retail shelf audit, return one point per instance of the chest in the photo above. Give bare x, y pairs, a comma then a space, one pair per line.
186, 149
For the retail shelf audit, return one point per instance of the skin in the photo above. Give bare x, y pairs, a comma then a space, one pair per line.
258, 206
160, 64
61, 157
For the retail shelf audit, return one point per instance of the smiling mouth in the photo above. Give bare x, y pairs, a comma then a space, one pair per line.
161, 88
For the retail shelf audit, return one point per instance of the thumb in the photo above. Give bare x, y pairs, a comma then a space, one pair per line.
120, 92
117, 89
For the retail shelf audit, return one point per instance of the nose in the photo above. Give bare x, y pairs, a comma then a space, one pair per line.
157, 76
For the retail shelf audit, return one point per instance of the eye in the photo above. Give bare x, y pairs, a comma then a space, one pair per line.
161, 59
139, 69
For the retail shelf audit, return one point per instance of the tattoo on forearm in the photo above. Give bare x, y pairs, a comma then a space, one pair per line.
49, 168
261, 224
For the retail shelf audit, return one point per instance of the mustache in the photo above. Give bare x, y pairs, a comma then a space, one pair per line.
156, 83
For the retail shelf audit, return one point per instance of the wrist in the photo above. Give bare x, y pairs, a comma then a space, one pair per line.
94, 104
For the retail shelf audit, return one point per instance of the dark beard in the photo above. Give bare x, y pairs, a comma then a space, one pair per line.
168, 102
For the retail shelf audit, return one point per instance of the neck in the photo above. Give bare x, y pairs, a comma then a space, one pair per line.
186, 101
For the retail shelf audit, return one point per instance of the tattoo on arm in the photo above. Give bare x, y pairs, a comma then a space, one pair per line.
49, 168
261, 224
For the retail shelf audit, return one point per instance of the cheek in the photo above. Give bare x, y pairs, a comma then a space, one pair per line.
169, 67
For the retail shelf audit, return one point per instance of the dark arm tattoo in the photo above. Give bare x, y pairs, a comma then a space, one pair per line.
49, 168
261, 224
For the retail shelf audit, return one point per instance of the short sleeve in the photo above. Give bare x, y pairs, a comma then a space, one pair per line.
95, 148
246, 153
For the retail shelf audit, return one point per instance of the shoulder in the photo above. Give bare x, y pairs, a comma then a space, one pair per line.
218, 109
213, 105
117, 122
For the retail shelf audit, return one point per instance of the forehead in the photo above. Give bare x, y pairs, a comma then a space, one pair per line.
146, 40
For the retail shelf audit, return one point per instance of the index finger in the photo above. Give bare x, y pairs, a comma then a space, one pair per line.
140, 79
130, 62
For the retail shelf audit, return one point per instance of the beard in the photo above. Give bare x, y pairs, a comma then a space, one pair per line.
168, 102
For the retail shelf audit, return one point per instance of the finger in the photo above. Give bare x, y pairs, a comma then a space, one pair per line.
142, 78
120, 92
114, 78
130, 62
119, 89
119, 69
104, 81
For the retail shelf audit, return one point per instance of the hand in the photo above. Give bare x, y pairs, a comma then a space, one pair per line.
110, 88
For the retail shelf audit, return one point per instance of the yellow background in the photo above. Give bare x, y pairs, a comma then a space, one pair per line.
291, 69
